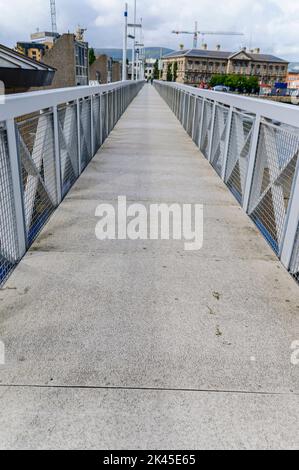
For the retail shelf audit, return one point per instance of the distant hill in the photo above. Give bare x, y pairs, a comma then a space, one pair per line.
150, 52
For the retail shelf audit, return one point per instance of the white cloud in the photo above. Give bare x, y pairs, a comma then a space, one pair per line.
270, 24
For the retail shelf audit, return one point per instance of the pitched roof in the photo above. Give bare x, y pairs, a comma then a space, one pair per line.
202, 53
267, 58
199, 53
9, 58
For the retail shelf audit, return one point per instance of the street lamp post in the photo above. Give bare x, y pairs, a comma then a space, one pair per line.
134, 34
125, 45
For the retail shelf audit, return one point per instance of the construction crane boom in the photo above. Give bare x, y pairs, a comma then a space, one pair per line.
53, 16
197, 33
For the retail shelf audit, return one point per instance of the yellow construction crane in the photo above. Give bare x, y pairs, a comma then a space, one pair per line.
197, 33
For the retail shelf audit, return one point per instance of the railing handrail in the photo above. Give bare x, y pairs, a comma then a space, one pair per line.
257, 158
43, 153
282, 112
16, 105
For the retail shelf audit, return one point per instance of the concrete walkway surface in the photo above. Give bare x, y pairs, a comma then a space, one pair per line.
142, 345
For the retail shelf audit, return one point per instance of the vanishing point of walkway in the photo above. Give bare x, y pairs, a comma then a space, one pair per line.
129, 345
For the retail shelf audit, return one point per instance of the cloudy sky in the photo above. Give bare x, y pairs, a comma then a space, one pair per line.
272, 25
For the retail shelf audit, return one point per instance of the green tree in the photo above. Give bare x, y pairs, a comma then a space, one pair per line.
175, 72
253, 85
92, 56
156, 70
218, 80
239, 83
169, 73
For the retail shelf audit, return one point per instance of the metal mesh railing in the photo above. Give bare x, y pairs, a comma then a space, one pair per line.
186, 116
197, 119
85, 122
68, 144
97, 123
190, 115
9, 250
50, 148
110, 115
275, 165
37, 159
181, 106
254, 148
206, 128
219, 137
104, 116
240, 139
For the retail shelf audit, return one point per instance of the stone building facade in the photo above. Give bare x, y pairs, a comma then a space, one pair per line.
70, 58
105, 70
116, 72
196, 65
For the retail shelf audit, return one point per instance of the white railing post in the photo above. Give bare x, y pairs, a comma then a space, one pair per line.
292, 223
227, 141
57, 156
212, 132
79, 136
17, 190
251, 162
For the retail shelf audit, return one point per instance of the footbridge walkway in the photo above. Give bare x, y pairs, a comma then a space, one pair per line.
140, 344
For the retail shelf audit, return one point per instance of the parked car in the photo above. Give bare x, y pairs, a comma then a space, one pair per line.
222, 88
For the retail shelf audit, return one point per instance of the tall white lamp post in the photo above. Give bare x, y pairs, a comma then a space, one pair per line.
134, 34
125, 44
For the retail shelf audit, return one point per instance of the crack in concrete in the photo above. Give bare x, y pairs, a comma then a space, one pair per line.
149, 389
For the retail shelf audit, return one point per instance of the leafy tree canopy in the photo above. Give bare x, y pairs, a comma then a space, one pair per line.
169, 73
92, 56
236, 82
156, 70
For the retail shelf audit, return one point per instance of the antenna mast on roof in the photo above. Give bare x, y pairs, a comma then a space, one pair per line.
53, 16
